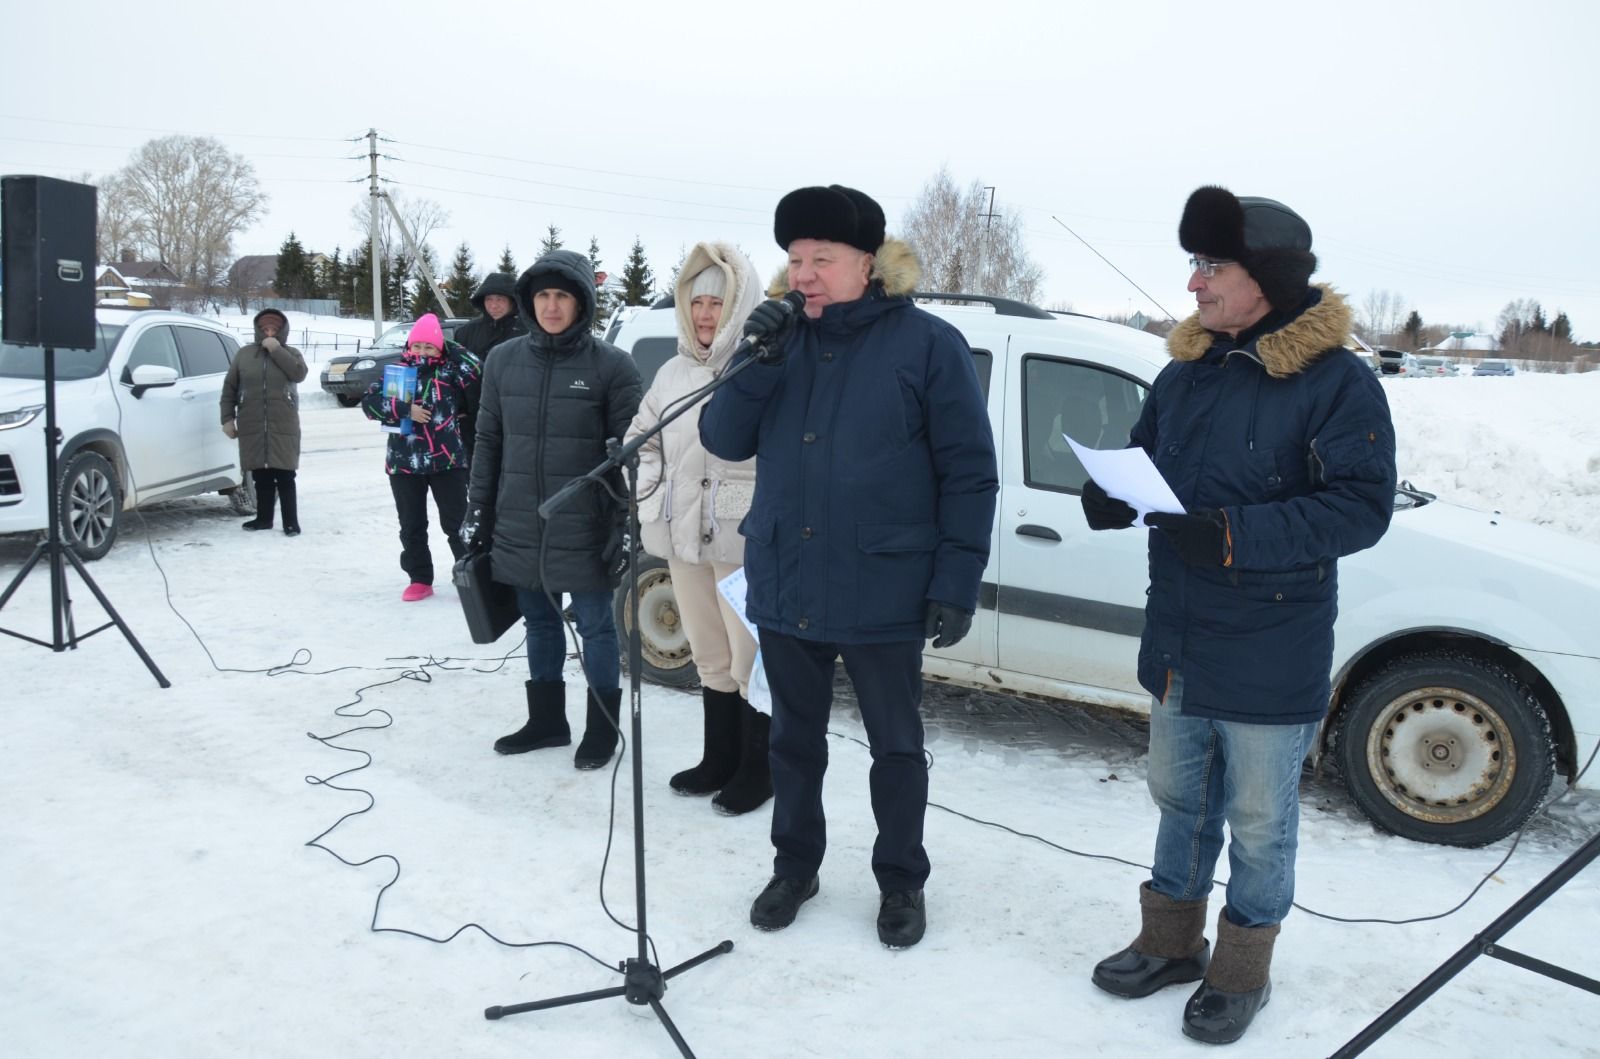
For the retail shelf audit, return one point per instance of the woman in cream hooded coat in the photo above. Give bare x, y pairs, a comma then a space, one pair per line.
689, 515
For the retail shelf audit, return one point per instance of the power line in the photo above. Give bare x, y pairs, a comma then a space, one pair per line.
574, 187
569, 206
584, 169
180, 132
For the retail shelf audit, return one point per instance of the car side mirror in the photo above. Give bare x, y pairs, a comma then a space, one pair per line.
149, 377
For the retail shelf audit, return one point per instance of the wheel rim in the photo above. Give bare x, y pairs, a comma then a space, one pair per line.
662, 639
1441, 755
90, 508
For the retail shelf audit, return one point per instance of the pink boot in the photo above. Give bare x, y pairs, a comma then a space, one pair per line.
415, 591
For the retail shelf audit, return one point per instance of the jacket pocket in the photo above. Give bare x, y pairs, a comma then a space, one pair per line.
893, 569
762, 583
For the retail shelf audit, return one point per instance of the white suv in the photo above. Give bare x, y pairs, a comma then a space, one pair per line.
1466, 654
139, 417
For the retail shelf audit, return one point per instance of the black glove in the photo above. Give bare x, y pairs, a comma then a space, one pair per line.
615, 558
1200, 537
1103, 511
477, 527
772, 324
949, 624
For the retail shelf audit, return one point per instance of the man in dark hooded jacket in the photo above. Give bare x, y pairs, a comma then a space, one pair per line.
869, 530
498, 322
550, 400
1278, 442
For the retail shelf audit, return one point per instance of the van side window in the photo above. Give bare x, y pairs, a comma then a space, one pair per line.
650, 353
1095, 407
983, 361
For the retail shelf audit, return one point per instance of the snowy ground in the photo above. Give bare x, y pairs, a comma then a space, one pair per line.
159, 899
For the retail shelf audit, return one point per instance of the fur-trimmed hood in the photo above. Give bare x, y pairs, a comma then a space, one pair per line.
895, 268
740, 294
1285, 351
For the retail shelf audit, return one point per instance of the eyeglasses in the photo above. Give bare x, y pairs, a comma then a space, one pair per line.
1207, 267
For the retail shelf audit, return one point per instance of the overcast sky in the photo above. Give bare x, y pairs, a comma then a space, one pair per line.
1445, 151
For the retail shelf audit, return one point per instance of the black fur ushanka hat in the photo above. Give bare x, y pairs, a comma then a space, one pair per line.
835, 213
1270, 240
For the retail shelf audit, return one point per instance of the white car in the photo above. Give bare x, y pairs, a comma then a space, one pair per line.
1466, 659
140, 421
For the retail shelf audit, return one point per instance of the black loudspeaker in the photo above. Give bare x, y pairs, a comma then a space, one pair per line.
47, 230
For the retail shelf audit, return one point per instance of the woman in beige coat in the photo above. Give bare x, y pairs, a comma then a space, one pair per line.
689, 515
261, 407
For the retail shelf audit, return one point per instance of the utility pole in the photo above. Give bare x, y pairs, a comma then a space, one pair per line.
988, 220
375, 257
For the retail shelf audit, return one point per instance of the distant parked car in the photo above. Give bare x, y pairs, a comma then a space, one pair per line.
138, 422
1434, 367
348, 377
1494, 367
1392, 362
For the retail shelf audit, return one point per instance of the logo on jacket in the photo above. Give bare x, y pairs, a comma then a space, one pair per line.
578, 384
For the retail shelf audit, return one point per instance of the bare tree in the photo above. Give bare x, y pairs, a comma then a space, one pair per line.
1382, 312
423, 216
964, 247
117, 230
187, 197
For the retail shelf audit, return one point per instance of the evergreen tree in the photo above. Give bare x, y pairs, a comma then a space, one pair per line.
333, 283
396, 285
594, 253
293, 278
1561, 328
462, 281
358, 274
507, 263
1413, 330
423, 299
603, 297
637, 282
1537, 325
551, 241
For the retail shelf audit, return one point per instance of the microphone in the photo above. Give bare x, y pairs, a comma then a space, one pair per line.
758, 333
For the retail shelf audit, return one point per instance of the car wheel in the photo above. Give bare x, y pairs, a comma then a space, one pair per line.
664, 646
242, 497
1445, 747
346, 400
91, 505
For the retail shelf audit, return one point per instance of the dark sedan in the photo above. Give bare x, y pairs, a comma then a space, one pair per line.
348, 377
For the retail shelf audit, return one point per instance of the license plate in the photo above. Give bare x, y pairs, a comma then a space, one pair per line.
337, 369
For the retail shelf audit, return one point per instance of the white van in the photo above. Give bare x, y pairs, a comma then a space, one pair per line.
1465, 660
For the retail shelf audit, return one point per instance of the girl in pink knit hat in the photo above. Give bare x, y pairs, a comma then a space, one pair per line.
432, 458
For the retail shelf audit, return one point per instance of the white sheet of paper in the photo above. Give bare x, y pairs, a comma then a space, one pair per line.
1128, 475
758, 694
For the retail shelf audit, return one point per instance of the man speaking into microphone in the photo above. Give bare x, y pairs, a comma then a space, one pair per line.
869, 531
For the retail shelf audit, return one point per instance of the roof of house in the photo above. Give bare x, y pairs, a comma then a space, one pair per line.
143, 271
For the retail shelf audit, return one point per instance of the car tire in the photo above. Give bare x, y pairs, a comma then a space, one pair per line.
1445, 747
91, 505
664, 646
242, 497
346, 401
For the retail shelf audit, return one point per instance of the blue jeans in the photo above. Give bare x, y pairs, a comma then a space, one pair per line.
547, 637
1204, 772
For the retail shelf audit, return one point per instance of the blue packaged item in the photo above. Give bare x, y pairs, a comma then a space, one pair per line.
400, 384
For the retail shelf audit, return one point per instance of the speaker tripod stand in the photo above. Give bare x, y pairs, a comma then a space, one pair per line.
63, 631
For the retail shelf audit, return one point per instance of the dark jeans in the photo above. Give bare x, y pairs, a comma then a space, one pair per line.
449, 490
547, 637
888, 683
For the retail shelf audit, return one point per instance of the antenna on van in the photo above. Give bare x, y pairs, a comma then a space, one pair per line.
1118, 271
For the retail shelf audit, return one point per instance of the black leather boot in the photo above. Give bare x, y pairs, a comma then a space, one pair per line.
779, 902
902, 918
751, 785
720, 759
290, 499
1171, 948
266, 497
547, 720
600, 729
1238, 983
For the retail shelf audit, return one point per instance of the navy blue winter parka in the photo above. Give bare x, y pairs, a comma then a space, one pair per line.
1289, 435
875, 468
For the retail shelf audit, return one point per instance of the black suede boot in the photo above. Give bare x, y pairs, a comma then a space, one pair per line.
751, 786
1171, 948
266, 497
1238, 983
290, 499
547, 720
600, 730
720, 759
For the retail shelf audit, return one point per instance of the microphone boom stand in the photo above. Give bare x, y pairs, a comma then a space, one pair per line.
644, 983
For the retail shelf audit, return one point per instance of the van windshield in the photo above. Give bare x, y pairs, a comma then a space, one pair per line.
27, 362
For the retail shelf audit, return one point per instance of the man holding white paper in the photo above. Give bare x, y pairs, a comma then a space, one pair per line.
1278, 447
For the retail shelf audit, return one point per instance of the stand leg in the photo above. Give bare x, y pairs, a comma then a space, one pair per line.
127, 634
